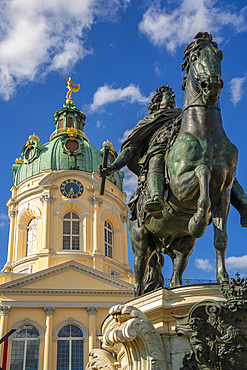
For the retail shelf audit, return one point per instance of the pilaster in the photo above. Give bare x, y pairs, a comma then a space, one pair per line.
92, 327
5, 310
46, 200
49, 312
12, 215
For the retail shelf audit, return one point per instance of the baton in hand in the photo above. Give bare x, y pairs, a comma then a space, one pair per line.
104, 165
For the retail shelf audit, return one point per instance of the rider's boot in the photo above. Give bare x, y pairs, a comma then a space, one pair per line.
155, 185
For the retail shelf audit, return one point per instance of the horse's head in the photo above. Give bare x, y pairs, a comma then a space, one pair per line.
203, 64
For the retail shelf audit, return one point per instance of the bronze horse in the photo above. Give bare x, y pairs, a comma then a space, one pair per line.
201, 168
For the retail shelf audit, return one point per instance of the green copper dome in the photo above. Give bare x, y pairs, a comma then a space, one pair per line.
68, 149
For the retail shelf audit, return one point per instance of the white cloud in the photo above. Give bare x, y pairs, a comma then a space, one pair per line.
173, 28
98, 124
130, 183
37, 36
204, 264
236, 89
3, 222
107, 94
237, 264
125, 135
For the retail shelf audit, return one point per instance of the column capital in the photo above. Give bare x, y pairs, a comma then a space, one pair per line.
123, 217
92, 311
47, 198
5, 310
95, 200
12, 213
49, 311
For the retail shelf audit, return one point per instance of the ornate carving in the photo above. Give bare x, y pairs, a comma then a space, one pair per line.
236, 293
130, 328
217, 331
49, 311
95, 199
123, 217
92, 311
12, 213
47, 198
101, 360
5, 310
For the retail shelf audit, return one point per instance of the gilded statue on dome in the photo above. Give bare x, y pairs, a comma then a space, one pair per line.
71, 89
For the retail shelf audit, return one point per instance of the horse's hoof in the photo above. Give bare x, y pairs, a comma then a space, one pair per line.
222, 277
197, 227
174, 285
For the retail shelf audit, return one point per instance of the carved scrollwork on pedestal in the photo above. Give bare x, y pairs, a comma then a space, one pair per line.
128, 326
101, 360
217, 331
129, 334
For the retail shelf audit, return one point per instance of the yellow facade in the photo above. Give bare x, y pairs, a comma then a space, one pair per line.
52, 287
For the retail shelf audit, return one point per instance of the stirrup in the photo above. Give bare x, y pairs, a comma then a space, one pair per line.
155, 206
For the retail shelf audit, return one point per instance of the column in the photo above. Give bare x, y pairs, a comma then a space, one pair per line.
91, 327
12, 216
5, 310
46, 199
49, 312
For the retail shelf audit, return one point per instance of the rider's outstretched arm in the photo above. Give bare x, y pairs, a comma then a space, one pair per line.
122, 160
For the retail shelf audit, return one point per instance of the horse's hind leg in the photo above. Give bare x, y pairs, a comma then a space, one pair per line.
180, 251
239, 201
219, 217
198, 223
142, 245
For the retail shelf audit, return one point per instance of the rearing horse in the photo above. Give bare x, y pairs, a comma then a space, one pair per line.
201, 168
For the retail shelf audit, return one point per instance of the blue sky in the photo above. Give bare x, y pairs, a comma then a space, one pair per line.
120, 51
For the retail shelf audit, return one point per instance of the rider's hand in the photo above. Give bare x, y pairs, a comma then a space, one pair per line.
102, 171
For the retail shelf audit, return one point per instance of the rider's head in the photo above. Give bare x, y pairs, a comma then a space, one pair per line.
164, 98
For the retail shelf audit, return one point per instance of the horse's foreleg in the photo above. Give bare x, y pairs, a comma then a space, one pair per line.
180, 251
142, 245
198, 223
219, 217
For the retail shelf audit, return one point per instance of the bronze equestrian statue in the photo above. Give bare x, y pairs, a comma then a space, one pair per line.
186, 166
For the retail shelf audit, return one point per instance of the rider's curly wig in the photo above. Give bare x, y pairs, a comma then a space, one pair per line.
201, 39
157, 98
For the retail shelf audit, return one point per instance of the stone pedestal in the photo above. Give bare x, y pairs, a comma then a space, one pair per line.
142, 333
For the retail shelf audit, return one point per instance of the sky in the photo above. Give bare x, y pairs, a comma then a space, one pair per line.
120, 51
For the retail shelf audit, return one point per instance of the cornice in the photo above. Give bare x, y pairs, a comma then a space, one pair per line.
67, 292
18, 283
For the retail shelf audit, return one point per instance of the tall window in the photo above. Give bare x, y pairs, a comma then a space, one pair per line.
31, 237
108, 239
70, 348
71, 231
25, 349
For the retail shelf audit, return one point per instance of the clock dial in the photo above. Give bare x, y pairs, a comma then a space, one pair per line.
71, 188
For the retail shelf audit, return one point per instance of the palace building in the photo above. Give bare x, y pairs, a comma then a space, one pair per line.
67, 258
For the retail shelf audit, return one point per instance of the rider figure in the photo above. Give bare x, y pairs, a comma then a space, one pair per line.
142, 149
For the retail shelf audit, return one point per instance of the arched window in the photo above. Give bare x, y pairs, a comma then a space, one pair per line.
25, 349
71, 231
31, 237
70, 348
108, 239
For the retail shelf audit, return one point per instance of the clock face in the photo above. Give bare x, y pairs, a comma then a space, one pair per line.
71, 188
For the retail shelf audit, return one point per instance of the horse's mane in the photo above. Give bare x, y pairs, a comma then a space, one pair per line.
201, 39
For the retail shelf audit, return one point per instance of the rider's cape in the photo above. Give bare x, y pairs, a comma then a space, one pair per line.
142, 132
